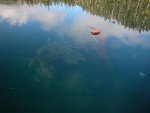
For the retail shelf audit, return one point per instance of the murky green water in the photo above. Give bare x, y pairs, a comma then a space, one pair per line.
51, 63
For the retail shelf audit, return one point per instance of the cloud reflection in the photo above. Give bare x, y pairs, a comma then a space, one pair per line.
80, 30
22, 14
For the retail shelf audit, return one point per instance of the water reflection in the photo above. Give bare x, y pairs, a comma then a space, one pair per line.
131, 14
129, 37
79, 72
79, 25
18, 15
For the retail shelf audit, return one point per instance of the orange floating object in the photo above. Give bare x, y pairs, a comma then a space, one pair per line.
95, 32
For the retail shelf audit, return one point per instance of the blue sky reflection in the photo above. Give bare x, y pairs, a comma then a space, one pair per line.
72, 22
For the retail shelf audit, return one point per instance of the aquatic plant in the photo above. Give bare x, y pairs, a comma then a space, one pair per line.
54, 53
65, 51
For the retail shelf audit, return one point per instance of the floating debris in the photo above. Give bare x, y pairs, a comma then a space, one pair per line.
94, 31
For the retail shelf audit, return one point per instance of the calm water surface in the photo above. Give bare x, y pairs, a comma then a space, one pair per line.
50, 62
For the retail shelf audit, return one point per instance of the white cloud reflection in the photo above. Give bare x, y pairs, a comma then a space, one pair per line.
80, 30
22, 14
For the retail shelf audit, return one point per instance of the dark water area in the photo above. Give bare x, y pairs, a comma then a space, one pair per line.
51, 63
